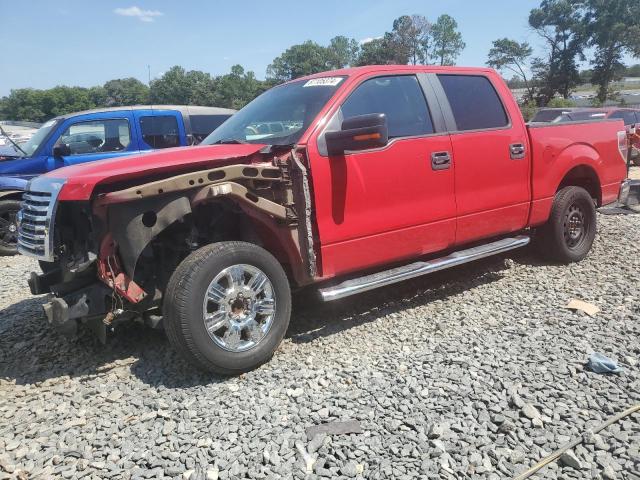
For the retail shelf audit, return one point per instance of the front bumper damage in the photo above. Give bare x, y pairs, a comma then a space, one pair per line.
83, 301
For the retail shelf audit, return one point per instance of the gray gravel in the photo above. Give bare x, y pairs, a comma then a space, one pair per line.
476, 372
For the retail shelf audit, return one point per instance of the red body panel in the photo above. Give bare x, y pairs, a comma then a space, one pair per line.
557, 149
387, 204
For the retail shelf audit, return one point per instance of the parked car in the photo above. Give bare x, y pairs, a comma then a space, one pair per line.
393, 172
630, 116
94, 135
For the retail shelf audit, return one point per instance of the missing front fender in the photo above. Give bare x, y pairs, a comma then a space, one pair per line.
135, 224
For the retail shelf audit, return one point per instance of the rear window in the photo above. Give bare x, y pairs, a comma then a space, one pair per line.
160, 131
203, 125
474, 102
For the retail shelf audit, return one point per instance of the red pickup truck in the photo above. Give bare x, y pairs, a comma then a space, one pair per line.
351, 180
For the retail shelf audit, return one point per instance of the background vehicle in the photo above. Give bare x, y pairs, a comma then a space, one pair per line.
629, 116
94, 135
385, 173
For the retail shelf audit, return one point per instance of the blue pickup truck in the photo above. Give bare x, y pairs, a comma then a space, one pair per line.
95, 135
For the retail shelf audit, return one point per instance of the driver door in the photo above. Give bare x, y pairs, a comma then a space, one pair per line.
92, 138
385, 204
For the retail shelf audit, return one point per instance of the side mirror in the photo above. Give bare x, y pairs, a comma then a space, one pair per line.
359, 133
61, 150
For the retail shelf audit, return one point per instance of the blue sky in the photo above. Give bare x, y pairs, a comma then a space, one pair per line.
85, 43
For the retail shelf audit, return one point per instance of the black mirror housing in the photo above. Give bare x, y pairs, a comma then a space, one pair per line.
61, 150
362, 132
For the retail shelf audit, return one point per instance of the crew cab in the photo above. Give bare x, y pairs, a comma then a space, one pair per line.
94, 135
373, 175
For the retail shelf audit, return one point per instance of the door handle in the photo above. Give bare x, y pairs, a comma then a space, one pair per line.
517, 151
440, 160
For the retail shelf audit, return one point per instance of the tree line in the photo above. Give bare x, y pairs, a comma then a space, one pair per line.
607, 30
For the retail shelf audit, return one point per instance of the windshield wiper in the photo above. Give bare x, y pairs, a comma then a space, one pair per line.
18, 147
228, 141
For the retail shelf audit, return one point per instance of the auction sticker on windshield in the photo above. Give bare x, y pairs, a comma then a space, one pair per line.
323, 82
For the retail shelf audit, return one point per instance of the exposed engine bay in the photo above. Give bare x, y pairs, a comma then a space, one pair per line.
114, 255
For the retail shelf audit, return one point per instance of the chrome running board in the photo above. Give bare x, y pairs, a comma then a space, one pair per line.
417, 269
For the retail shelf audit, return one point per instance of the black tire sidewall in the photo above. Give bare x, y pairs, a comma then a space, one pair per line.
8, 206
191, 313
567, 198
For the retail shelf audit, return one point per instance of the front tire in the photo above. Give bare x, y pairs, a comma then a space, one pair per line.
569, 233
8, 227
227, 307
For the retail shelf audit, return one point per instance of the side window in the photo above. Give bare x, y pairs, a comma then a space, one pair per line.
400, 98
628, 116
160, 131
203, 125
474, 102
98, 136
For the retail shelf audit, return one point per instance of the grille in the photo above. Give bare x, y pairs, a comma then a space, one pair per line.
33, 233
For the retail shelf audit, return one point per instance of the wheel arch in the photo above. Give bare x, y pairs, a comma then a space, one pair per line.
584, 176
237, 221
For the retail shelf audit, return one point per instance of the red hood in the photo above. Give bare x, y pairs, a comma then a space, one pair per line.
82, 179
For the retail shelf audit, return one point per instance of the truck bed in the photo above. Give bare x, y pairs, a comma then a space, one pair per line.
559, 148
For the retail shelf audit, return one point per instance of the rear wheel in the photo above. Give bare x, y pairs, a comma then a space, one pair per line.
569, 233
227, 307
8, 227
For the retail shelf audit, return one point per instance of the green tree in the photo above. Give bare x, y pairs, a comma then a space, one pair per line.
343, 51
633, 71
559, 23
236, 89
178, 86
614, 30
125, 91
300, 60
411, 38
507, 54
382, 51
447, 41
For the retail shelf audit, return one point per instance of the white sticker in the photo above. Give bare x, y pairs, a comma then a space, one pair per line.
323, 82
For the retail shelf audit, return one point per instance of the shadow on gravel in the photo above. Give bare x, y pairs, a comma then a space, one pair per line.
31, 351
313, 318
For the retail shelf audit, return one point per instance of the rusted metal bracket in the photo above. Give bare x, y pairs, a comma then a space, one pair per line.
239, 192
191, 180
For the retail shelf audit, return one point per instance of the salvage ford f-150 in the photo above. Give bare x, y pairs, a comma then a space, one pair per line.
352, 180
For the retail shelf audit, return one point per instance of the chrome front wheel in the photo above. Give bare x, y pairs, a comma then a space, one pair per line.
227, 307
239, 307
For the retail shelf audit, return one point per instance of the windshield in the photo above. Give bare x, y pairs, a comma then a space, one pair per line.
40, 136
279, 116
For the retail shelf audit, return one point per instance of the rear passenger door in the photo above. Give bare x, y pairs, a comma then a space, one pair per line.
490, 156
158, 128
385, 204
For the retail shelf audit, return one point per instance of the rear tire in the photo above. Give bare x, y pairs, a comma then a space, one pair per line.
227, 307
8, 227
569, 233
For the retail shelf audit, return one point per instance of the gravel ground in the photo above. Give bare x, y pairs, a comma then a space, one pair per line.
476, 372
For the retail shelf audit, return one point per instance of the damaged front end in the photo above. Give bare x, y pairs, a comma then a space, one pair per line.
110, 259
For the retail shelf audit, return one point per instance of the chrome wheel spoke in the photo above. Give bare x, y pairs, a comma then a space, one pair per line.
236, 276
215, 321
216, 293
265, 306
258, 282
